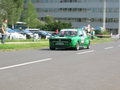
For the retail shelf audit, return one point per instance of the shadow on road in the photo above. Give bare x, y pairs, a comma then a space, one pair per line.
47, 49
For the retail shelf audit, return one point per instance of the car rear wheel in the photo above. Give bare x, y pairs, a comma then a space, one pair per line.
51, 48
88, 46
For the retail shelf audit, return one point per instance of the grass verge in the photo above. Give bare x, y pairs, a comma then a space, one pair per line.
11, 47
27, 40
101, 40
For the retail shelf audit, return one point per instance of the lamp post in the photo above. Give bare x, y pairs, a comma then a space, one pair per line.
104, 15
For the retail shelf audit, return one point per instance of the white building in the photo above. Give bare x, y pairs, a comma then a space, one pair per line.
81, 12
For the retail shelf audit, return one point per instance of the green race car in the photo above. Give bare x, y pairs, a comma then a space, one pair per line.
70, 38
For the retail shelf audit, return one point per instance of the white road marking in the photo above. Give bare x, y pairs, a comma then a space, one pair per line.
27, 63
108, 48
86, 52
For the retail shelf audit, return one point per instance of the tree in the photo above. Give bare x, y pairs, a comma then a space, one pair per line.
49, 19
3, 10
11, 9
56, 25
19, 5
30, 15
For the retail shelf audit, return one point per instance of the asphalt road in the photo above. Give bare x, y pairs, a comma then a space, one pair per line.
95, 69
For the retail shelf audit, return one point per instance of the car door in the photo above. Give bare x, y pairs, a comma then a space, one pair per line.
81, 36
86, 39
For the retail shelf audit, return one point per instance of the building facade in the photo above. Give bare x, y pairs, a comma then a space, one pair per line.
81, 12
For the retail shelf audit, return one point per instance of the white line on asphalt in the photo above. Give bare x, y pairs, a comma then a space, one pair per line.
23, 64
86, 52
108, 48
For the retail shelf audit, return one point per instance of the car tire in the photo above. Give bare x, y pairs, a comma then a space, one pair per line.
88, 46
51, 48
77, 46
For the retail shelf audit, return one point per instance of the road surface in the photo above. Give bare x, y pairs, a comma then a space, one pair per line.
95, 69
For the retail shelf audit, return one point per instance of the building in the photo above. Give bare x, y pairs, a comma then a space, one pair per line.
81, 12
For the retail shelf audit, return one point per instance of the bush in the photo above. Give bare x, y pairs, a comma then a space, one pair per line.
106, 32
98, 32
56, 25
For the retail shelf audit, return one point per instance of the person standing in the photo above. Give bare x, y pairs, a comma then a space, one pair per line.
57, 31
4, 27
92, 34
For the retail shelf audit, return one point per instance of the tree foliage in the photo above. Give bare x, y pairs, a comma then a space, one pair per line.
11, 9
30, 15
56, 25
49, 19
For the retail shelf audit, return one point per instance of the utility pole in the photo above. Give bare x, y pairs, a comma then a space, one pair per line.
104, 15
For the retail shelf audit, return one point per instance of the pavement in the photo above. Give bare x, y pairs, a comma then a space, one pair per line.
97, 68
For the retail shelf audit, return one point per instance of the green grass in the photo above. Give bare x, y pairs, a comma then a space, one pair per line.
41, 44
101, 40
27, 40
9, 47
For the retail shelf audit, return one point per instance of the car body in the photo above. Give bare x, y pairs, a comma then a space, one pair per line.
25, 32
11, 34
28, 33
44, 34
33, 30
19, 31
17, 36
70, 38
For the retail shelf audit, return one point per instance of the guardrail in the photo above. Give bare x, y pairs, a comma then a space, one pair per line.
112, 36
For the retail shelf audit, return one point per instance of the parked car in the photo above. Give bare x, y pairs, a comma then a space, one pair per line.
25, 32
33, 30
70, 38
28, 33
19, 31
11, 34
44, 34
